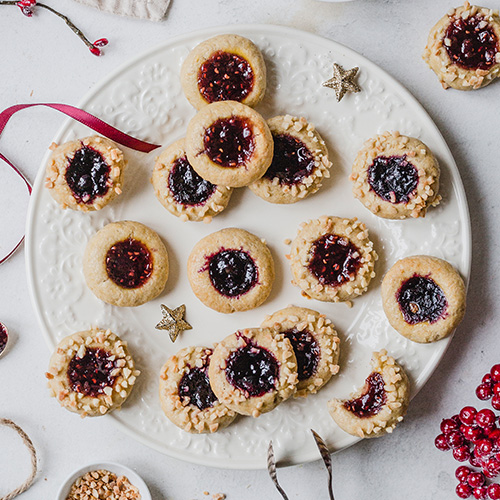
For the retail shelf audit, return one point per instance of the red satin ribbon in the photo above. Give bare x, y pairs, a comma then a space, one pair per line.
87, 119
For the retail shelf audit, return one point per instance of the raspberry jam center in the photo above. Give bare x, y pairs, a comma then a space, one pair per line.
225, 76
229, 142
195, 386
334, 260
292, 160
129, 263
4, 338
252, 369
421, 299
471, 43
393, 178
186, 186
232, 272
371, 402
87, 175
306, 351
92, 373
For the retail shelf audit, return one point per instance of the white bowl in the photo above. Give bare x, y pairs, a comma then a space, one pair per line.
118, 469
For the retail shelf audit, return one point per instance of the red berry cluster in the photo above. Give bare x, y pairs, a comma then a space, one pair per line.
474, 436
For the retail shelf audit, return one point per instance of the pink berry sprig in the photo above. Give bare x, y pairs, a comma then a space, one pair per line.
28, 9
474, 436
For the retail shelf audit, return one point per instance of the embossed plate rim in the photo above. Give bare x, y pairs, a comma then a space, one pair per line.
288, 34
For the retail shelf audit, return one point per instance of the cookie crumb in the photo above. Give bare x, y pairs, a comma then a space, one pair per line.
218, 496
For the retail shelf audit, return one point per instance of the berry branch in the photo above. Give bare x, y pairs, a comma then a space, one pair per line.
28, 9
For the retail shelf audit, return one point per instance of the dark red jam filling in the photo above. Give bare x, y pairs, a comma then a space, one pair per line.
421, 299
306, 351
334, 260
232, 272
195, 386
471, 46
129, 263
252, 369
224, 77
393, 178
292, 160
4, 338
87, 175
229, 142
371, 402
186, 186
92, 373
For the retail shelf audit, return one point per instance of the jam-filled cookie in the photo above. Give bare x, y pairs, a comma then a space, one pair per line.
182, 191
300, 162
91, 372
396, 177
186, 396
253, 370
125, 264
85, 174
463, 48
231, 270
315, 344
229, 144
224, 68
380, 405
423, 298
332, 259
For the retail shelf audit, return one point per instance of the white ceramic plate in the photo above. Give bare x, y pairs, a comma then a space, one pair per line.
118, 469
145, 98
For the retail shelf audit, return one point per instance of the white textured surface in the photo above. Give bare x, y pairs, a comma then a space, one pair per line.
146, 99
45, 62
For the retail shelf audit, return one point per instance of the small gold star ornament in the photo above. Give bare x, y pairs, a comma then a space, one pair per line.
343, 81
173, 321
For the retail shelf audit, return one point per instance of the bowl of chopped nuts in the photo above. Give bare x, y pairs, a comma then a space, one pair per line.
104, 481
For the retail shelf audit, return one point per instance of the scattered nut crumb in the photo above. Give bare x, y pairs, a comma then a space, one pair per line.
103, 485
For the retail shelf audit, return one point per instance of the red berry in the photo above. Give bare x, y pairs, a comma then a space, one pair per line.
494, 491
463, 490
102, 42
485, 418
467, 415
495, 401
474, 461
493, 466
454, 439
472, 434
480, 493
495, 373
496, 388
483, 448
441, 443
95, 51
448, 425
461, 454
462, 473
484, 392
487, 379
476, 479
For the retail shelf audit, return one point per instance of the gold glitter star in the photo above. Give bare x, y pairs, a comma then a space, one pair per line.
173, 321
343, 81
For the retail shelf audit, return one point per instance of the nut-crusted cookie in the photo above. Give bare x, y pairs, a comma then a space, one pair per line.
300, 162
380, 405
229, 144
186, 396
222, 68
125, 264
253, 370
423, 298
182, 191
396, 177
315, 344
332, 259
85, 174
463, 48
91, 372
231, 270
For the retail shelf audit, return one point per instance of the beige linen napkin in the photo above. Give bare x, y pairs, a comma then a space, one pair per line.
145, 9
